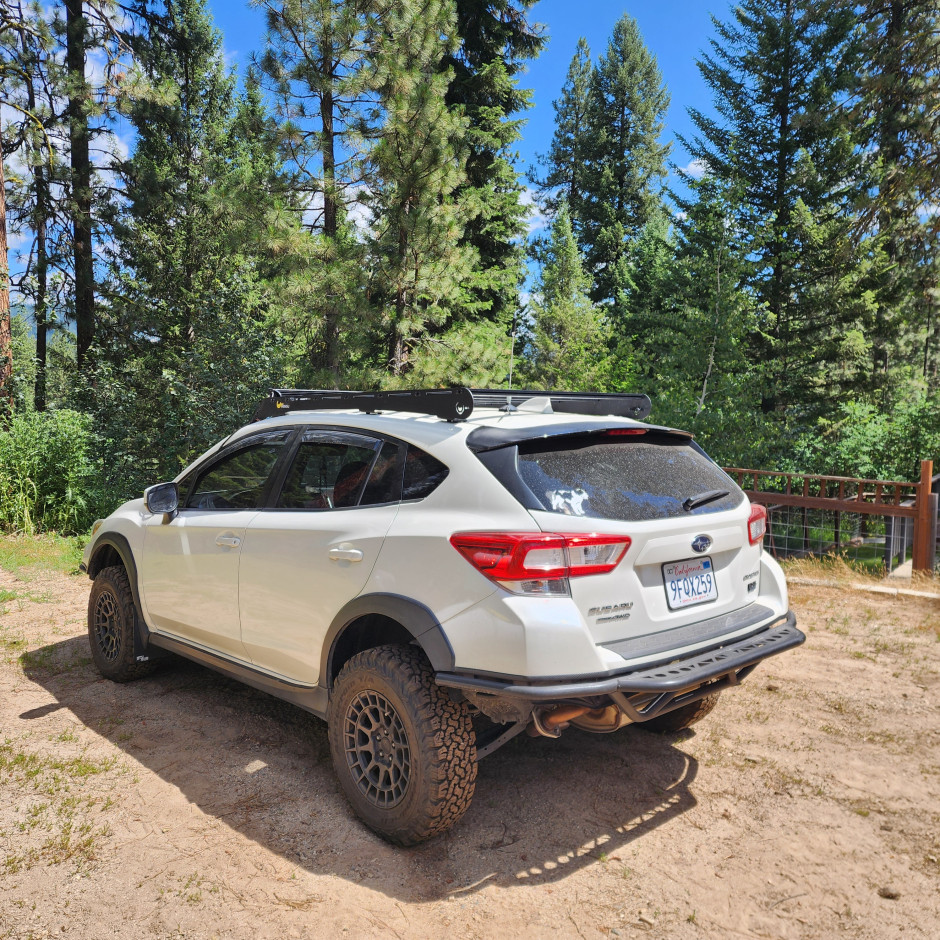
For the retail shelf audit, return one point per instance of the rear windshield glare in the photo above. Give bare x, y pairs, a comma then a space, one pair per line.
631, 480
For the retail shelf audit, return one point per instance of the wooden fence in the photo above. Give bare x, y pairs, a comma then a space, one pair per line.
892, 499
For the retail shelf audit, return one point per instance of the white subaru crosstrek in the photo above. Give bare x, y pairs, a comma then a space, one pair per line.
434, 572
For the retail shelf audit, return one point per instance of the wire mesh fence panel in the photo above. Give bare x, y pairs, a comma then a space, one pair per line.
870, 542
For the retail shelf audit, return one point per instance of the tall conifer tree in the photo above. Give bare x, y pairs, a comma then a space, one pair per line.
625, 162
568, 344
564, 162
897, 112
318, 63
776, 69
184, 329
495, 40
419, 259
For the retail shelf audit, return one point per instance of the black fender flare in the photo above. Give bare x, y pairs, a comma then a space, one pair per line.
121, 545
417, 619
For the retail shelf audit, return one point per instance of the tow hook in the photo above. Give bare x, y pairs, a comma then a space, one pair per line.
550, 724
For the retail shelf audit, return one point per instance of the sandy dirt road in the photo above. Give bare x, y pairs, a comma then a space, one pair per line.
185, 805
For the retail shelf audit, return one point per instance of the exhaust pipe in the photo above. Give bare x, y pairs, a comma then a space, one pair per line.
550, 724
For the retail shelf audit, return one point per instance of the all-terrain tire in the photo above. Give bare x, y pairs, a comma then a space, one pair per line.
682, 717
112, 620
403, 750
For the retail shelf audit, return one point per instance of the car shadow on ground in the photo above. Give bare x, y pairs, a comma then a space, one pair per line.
542, 808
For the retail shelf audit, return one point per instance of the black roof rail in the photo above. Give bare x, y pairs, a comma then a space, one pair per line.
449, 403
452, 404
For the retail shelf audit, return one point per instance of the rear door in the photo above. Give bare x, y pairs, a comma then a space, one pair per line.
312, 550
690, 558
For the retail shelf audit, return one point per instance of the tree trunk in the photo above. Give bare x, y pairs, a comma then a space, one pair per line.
81, 177
330, 218
6, 333
41, 214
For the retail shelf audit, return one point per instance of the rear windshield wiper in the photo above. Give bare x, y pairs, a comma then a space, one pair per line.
693, 502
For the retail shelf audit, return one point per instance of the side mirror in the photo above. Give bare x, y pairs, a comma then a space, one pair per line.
164, 497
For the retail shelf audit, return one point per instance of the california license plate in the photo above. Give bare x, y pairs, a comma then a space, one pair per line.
689, 582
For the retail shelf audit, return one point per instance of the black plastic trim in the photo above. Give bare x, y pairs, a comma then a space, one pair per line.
676, 676
490, 437
312, 698
414, 617
652, 644
121, 545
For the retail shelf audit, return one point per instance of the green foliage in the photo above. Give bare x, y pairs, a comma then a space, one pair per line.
624, 161
569, 338
494, 42
777, 69
564, 163
417, 260
157, 405
475, 354
867, 441
49, 476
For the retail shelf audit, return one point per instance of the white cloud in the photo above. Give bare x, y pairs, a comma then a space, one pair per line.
696, 169
536, 219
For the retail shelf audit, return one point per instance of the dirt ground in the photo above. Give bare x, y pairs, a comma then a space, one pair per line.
185, 805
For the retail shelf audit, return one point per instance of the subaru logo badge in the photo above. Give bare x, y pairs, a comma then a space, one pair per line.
701, 543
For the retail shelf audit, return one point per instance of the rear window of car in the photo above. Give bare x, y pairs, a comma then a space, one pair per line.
630, 479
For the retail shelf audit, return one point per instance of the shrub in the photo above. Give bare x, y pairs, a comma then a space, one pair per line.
48, 476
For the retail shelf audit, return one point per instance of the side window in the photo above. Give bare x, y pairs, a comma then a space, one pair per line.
384, 484
423, 474
238, 480
329, 471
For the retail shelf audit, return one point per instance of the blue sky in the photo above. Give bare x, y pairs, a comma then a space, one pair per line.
674, 30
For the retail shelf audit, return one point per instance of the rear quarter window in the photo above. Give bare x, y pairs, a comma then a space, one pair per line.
626, 479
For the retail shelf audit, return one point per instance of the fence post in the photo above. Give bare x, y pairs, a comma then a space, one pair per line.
923, 524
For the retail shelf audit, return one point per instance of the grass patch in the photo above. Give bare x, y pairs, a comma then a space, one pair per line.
53, 825
29, 555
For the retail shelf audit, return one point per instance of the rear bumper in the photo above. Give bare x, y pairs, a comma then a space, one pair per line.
718, 666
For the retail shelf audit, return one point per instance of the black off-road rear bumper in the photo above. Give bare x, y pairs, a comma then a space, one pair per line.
651, 690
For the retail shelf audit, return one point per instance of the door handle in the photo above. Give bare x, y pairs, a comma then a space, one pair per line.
228, 541
345, 554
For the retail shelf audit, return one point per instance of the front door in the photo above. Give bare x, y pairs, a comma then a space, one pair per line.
189, 567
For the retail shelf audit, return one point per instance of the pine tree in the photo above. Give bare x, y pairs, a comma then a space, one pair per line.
776, 71
37, 208
318, 64
564, 162
624, 159
897, 111
568, 343
417, 259
184, 331
495, 42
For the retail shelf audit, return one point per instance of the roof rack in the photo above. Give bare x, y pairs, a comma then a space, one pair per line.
452, 404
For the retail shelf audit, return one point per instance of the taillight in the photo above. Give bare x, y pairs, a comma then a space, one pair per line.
757, 524
539, 562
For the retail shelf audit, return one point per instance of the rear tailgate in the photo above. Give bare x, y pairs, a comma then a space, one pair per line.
690, 558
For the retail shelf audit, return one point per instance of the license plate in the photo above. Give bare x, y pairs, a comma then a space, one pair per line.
689, 582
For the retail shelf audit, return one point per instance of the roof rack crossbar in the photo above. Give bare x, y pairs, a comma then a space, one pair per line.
452, 404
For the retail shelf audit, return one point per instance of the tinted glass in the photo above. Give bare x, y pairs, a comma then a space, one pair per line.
423, 474
329, 471
617, 479
238, 480
384, 485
